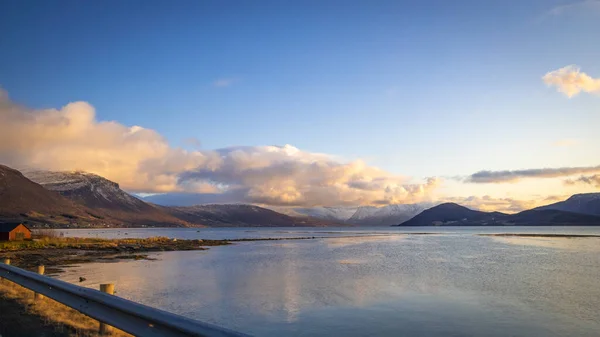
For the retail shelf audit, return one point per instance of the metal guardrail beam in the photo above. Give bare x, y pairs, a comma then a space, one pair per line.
131, 317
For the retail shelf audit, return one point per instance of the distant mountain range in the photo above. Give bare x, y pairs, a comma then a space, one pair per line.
357, 216
240, 215
80, 199
451, 214
367, 215
387, 215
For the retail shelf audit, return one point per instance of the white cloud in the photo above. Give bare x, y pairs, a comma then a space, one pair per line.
579, 6
142, 161
571, 81
288, 176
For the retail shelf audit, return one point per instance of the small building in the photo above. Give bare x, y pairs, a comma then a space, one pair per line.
14, 231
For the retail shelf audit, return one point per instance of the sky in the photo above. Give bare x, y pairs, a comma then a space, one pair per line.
494, 104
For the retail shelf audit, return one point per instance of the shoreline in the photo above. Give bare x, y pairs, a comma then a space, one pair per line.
532, 235
56, 253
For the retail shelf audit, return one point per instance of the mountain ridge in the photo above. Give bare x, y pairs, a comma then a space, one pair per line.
26, 201
89, 200
103, 195
585, 203
78, 198
451, 214
358, 215
241, 215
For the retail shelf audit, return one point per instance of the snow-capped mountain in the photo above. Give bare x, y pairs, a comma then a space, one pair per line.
361, 216
327, 213
363, 212
23, 200
387, 215
101, 194
87, 188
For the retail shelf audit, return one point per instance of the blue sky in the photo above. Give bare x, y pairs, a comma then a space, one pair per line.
416, 88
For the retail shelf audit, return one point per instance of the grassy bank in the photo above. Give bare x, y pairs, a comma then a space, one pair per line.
54, 252
22, 316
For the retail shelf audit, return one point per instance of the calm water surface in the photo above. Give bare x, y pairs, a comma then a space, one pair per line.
367, 282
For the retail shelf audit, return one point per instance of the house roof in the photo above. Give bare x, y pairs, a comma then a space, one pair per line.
9, 226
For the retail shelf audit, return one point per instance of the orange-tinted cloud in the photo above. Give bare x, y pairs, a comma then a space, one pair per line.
570, 80
141, 160
506, 205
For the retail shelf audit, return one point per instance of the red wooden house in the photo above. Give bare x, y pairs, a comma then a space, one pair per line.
14, 231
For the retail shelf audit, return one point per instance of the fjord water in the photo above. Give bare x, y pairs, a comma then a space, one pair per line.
370, 282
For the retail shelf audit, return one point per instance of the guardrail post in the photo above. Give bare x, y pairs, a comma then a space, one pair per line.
6, 261
36, 296
108, 288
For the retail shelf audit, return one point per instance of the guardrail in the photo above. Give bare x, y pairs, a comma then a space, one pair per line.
134, 318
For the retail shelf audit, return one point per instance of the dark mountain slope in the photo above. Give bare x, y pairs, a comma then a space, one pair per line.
552, 217
456, 215
23, 200
236, 215
587, 203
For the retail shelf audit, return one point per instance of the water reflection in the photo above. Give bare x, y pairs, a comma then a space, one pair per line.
574, 243
351, 241
393, 285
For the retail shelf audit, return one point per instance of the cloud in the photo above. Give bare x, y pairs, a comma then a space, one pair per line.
288, 176
142, 161
566, 143
571, 81
513, 176
593, 180
225, 82
580, 6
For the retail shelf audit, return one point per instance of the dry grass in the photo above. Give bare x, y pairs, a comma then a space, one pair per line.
43, 242
42, 233
55, 315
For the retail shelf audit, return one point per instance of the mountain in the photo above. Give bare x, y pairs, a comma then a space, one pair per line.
587, 203
450, 214
453, 215
239, 215
358, 216
340, 214
23, 200
84, 199
104, 197
552, 217
387, 215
